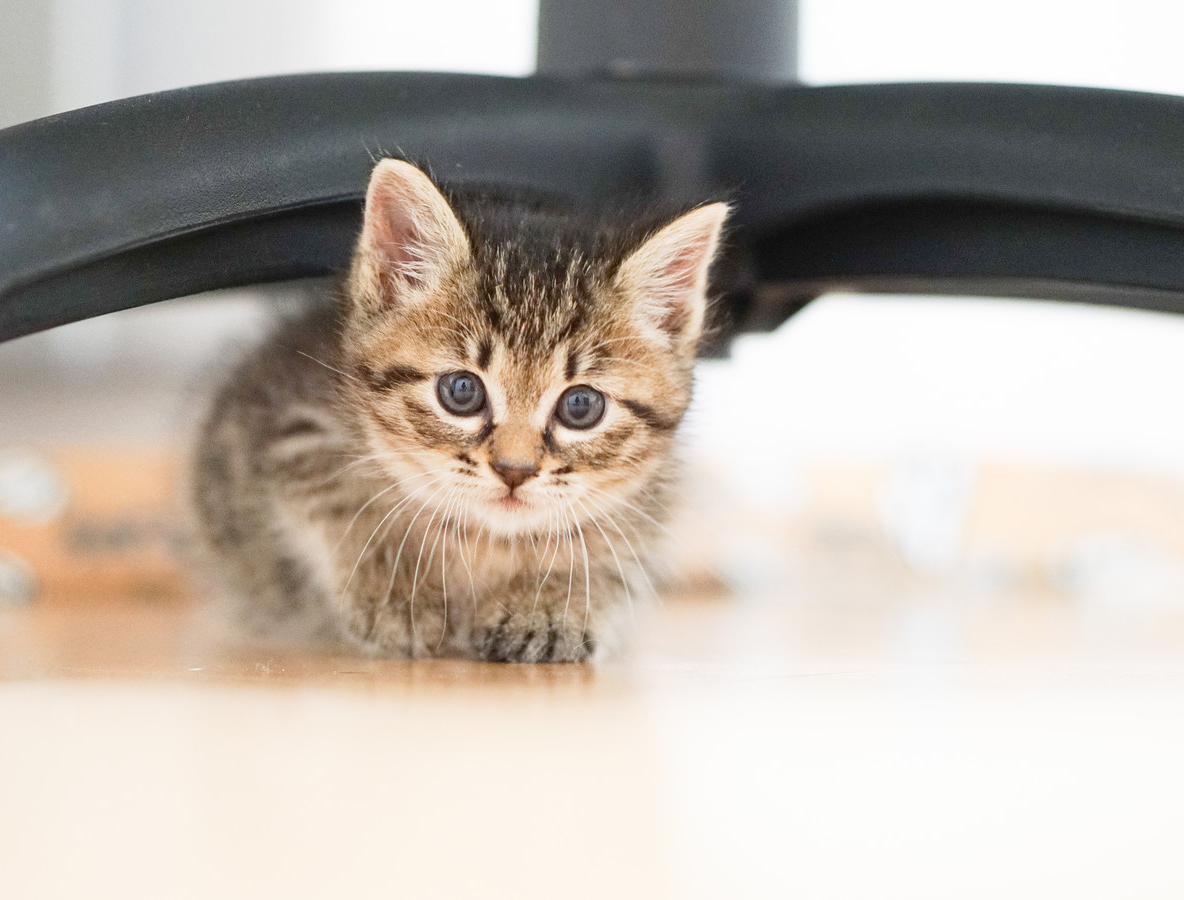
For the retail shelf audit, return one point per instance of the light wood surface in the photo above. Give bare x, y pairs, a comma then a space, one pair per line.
913, 745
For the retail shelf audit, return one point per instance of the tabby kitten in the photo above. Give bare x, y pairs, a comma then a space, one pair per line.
471, 454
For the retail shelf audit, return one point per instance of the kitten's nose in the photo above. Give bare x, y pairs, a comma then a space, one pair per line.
514, 473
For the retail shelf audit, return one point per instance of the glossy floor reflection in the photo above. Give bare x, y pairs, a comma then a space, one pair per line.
921, 746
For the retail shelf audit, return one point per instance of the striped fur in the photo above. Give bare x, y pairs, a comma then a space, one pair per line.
339, 500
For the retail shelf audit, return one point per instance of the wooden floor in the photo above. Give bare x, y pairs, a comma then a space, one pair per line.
917, 747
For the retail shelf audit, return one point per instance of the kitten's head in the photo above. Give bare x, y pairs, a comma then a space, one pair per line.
516, 368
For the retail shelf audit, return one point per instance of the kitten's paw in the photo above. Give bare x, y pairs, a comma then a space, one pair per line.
532, 638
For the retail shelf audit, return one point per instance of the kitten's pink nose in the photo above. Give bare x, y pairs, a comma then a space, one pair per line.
514, 473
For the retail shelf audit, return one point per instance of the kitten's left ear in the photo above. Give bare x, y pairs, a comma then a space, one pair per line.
668, 274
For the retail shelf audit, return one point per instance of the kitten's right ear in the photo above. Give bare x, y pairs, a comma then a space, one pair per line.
411, 238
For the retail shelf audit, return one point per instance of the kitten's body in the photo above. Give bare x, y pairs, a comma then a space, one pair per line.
340, 499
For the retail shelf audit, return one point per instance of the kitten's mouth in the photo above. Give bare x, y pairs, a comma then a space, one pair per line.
509, 501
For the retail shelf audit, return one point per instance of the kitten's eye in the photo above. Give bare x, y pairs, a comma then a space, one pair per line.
580, 407
461, 393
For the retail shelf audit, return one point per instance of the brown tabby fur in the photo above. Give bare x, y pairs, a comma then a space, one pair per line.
338, 500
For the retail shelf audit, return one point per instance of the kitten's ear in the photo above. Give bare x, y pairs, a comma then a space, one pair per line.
410, 235
668, 274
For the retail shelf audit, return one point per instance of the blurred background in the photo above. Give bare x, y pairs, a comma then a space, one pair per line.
1001, 448
926, 636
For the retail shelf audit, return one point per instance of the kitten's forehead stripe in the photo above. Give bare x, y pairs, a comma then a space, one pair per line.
574, 325
484, 353
573, 364
533, 296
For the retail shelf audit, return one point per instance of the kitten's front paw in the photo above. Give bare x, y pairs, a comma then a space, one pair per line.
532, 638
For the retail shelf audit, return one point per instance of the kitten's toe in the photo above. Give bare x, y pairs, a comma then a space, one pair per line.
518, 640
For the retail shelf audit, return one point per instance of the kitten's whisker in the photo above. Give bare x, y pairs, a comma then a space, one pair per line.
443, 538
381, 493
369, 540
399, 553
362, 509
402, 503
551, 528
587, 575
571, 566
447, 503
467, 550
366, 546
427, 530
624, 504
321, 362
357, 462
480, 532
374, 160
616, 559
640, 566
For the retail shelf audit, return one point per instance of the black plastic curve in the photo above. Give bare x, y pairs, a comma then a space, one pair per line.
1006, 189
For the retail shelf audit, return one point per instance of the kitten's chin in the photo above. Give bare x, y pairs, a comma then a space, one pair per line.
509, 516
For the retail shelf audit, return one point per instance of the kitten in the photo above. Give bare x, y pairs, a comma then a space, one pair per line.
473, 452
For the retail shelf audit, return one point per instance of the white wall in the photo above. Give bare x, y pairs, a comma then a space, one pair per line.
105, 49
25, 30
1133, 45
